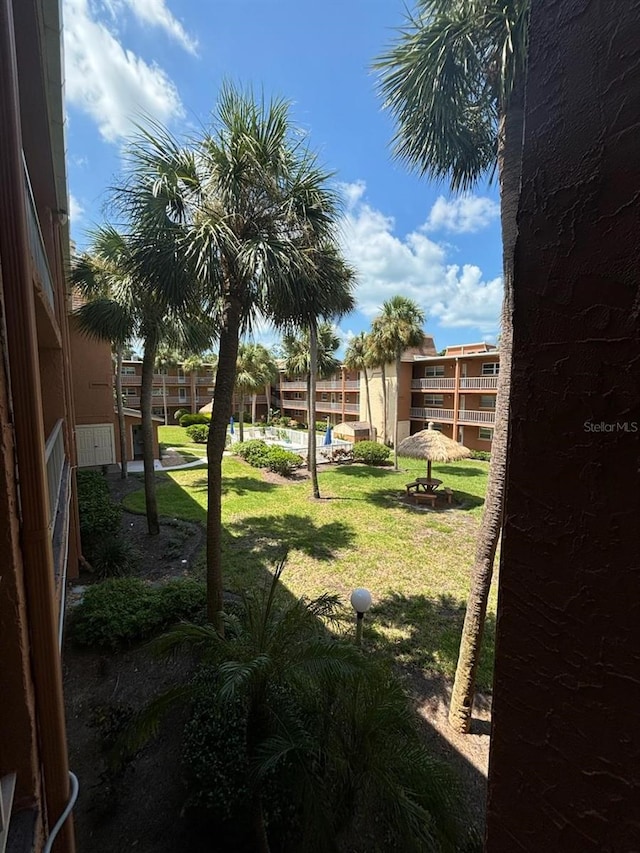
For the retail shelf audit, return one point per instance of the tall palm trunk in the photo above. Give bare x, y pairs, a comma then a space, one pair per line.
220, 414
313, 367
267, 394
146, 392
194, 391
383, 373
396, 417
509, 163
241, 416
254, 407
120, 411
368, 396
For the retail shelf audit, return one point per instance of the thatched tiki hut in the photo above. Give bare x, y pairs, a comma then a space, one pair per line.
432, 445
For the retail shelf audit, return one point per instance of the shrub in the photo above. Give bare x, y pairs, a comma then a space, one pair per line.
189, 420
114, 557
342, 454
255, 452
179, 413
483, 455
198, 433
282, 461
99, 515
370, 452
122, 611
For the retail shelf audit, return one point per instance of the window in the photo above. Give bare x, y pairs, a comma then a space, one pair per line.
487, 401
491, 368
324, 397
128, 370
129, 392
485, 433
159, 413
182, 394
433, 370
434, 400
156, 392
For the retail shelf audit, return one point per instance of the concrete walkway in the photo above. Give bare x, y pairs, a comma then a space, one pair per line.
137, 466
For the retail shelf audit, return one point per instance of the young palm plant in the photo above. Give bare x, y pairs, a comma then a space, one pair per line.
395, 329
320, 721
255, 369
454, 82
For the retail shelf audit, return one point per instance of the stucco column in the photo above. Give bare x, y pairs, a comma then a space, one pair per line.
564, 772
456, 398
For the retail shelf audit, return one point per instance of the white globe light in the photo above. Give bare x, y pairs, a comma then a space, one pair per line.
361, 600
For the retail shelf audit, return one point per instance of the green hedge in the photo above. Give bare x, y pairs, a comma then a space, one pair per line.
259, 454
190, 420
482, 455
198, 433
99, 515
370, 452
122, 611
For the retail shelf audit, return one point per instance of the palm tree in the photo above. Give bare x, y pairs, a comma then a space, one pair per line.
255, 369
166, 357
379, 355
267, 370
312, 354
136, 308
254, 200
95, 277
396, 328
454, 82
357, 358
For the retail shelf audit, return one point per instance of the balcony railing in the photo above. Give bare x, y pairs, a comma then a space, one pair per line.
131, 380
478, 383
55, 457
36, 243
205, 380
293, 404
435, 414
336, 385
431, 384
352, 408
294, 386
131, 401
465, 416
472, 416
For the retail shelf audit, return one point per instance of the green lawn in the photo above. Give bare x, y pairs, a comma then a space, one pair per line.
176, 437
415, 561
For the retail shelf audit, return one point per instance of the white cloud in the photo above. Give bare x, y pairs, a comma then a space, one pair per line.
416, 267
114, 86
155, 14
464, 215
75, 209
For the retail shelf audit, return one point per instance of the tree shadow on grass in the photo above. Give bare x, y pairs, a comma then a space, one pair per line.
460, 471
235, 485
391, 497
423, 633
363, 471
272, 534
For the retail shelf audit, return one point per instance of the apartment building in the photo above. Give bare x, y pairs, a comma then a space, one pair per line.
178, 388
39, 531
457, 392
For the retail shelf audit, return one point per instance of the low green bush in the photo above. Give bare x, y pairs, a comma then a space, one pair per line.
189, 420
114, 557
122, 611
370, 452
255, 452
99, 515
198, 433
482, 455
282, 461
179, 413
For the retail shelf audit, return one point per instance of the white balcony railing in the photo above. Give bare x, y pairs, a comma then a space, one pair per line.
55, 456
352, 408
432, 414
478, 383
131, 401
128, 381
432, 384
294, 386
336, 385
36, 243
473, 416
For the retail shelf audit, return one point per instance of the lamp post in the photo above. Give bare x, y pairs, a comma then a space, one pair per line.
361, 602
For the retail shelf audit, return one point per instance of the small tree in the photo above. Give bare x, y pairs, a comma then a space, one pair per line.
357, 358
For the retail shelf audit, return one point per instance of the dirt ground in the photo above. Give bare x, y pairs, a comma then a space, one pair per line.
138, 809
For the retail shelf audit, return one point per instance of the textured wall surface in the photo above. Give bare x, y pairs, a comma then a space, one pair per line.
565, 755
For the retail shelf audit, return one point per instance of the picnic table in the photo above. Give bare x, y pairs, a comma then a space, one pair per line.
425, 490
423, 485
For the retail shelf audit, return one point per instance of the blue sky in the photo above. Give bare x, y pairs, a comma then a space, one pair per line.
167, 58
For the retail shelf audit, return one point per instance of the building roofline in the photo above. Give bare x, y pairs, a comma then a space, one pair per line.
489, 354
